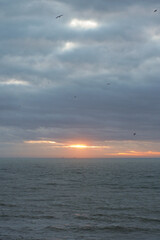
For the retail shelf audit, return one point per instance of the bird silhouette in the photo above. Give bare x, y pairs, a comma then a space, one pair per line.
59, 16
155, 10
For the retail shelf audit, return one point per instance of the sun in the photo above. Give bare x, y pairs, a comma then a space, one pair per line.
78, 146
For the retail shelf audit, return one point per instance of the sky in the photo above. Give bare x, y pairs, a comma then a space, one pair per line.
82, 84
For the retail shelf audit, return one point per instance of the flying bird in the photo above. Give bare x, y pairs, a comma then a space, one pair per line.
59, 16
134, 134
155, 10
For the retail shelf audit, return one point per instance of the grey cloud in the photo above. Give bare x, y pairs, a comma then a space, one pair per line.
108, 5
121, 108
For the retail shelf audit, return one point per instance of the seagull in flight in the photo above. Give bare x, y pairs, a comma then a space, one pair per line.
59, 16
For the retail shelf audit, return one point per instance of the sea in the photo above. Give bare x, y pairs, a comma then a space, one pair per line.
80, 199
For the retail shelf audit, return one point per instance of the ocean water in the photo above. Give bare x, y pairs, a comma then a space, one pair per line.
76, 199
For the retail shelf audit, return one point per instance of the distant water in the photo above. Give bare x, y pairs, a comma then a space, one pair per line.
76, 199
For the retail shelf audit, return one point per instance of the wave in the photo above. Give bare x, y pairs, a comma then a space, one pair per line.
116, 228
95, 229
150, 219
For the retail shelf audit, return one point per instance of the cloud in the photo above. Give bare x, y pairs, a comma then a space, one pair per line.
84, 24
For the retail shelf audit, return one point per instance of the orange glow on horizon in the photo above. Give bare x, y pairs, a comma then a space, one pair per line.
139, 154
86, 149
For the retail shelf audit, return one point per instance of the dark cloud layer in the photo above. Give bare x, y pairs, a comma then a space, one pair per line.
64, 81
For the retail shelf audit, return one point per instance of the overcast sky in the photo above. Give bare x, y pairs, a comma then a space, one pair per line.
90, 77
